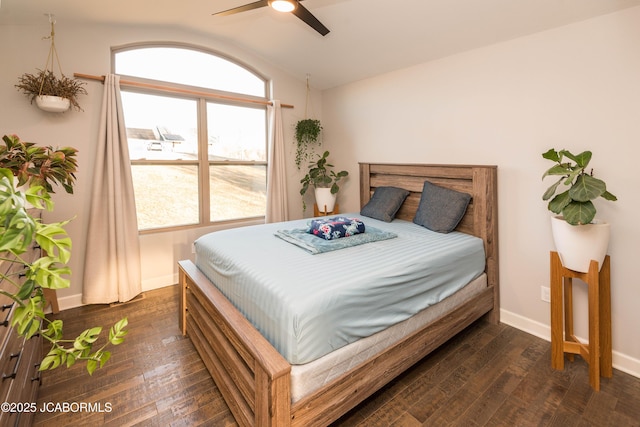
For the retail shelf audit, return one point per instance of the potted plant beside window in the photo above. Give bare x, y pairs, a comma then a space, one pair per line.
325, 182
51, 93
578, 236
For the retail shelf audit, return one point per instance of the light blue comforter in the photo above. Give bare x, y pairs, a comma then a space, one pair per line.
309, 305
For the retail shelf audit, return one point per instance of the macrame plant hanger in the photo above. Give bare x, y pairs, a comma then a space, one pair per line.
307, 132
55, 94
53, 53
307, 100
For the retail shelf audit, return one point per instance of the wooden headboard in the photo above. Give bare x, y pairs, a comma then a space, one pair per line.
481, 182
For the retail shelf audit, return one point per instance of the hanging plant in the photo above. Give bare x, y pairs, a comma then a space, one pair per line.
307, 135
50, 92
45, 83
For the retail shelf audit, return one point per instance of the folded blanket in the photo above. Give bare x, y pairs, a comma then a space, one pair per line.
336, 227
301, 238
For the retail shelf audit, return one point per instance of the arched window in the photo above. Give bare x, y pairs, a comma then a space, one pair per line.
197, 135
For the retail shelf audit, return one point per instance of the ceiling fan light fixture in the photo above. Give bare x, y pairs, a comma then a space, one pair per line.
283, 5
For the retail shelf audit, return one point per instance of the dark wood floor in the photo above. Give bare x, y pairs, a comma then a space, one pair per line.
489, 375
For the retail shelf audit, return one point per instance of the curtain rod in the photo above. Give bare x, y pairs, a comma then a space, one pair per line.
131, 83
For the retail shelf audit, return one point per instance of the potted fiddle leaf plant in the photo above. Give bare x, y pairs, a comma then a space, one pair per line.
324, 180
307, 133
50, 92
578, 235
36, 169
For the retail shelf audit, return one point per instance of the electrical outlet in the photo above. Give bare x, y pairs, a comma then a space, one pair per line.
193, 248
544, 294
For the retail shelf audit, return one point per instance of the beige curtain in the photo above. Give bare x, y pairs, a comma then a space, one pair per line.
277, 207
112, 257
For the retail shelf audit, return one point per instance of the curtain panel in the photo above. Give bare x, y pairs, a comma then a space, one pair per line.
277, 206
112, 258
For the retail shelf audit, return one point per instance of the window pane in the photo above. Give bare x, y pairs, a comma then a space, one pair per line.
238, 191
189, 67
165, 132
160, 127
236, 133
166, 196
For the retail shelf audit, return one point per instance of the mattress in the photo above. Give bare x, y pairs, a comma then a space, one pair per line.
307, 378
307, 305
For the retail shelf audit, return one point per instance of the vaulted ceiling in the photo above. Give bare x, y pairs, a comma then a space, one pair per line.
367, 37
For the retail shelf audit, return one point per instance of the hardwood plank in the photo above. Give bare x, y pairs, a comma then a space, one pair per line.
136, 417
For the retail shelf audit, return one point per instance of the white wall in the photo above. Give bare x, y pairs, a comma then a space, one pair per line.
87, 50
575, 87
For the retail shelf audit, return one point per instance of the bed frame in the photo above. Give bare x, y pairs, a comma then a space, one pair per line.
254, 378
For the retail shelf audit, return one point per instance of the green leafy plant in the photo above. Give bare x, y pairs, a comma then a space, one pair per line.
307, 134
19, 230
45, 82
35, 165
81, 348
575, 203
320, 175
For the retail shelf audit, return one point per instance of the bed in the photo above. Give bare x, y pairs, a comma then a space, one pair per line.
261, 387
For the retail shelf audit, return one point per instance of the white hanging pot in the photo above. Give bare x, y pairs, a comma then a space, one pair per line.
325, 200
53, 104
577, 245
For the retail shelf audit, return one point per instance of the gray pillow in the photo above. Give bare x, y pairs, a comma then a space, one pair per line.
441, 209
384, 203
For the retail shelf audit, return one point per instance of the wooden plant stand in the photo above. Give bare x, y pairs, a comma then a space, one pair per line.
319, 212
597, 352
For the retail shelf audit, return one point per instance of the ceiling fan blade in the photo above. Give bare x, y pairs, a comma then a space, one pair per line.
250, 6
302, 13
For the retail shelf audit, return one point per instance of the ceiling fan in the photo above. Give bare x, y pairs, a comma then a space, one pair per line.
292, 6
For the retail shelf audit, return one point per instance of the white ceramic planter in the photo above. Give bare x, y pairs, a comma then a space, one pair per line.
577, 245
53, 104
325, 200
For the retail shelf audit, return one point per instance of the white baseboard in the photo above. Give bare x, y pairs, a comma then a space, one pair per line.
532, 327
71, 301
159, 282
74, 301
621, 361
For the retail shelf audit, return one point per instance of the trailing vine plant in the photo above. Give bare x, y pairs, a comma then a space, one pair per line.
307, 133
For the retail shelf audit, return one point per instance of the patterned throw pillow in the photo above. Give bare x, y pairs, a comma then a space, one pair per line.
336, 227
